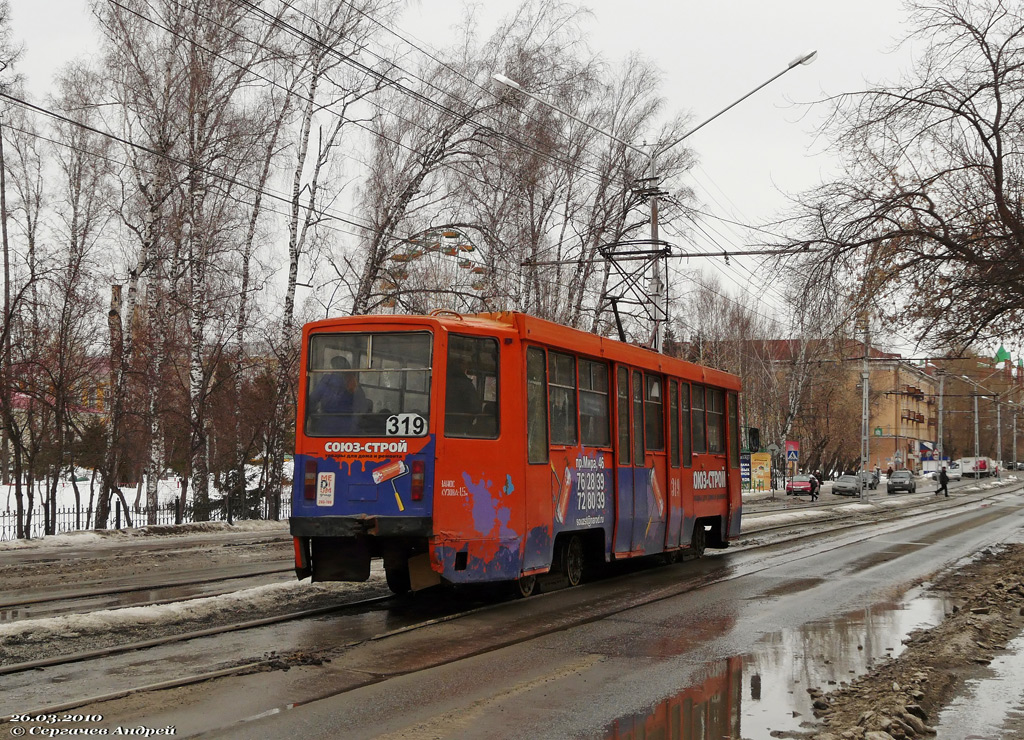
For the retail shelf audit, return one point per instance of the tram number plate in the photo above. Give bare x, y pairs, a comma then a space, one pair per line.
405, 425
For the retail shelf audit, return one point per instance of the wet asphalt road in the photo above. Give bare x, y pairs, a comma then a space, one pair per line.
681, 643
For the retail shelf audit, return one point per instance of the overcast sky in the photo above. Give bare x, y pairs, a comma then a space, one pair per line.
711, 53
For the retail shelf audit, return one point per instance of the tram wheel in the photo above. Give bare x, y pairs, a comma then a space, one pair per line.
572, 560
698, 541
398, 580
524, 586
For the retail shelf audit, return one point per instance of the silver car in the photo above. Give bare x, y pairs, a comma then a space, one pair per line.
846, 485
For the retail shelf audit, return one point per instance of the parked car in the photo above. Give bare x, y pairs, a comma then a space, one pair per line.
901, 480
798, 484
847, 485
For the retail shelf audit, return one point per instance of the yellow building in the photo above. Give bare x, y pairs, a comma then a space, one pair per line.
903, 419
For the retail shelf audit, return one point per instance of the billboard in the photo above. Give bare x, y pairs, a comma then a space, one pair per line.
761, 471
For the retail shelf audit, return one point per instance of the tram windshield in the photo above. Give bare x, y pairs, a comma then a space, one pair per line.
368, 384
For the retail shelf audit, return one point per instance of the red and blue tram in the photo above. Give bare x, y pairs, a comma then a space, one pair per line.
501, 447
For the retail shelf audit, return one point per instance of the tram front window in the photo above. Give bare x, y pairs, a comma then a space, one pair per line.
368, 385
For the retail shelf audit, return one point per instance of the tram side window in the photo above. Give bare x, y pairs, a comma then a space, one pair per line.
699, 430
716, 421
684, 401
594, 414
471, 388
536, 406
622, 413
734, 431
673, 422
562, 398
638, 419
654, 413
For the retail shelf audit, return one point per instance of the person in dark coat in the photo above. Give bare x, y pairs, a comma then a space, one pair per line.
943, 481
815, 485
340, 399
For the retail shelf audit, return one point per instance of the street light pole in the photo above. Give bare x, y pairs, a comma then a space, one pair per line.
657, 287
865, 440
999, 439
977, 446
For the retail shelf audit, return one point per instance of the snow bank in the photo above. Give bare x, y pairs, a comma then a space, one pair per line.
260, 599
77, 539
59, 540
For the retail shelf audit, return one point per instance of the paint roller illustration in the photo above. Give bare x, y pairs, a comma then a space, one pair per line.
563, 496
659, 498
389, 472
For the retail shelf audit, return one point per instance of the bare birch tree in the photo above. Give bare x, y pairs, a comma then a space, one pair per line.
925, 225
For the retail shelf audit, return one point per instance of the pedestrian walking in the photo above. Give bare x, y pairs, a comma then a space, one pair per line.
815, 485
943, 480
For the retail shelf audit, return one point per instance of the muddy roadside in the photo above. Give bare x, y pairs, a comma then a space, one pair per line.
902, 697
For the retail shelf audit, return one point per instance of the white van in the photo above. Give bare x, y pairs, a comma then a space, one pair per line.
953, 470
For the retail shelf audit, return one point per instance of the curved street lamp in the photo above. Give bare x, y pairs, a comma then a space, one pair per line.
657, 335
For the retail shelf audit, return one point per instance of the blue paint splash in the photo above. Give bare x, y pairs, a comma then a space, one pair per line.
490, 519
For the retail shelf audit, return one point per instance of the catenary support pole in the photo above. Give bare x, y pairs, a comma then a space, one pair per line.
864, 439
938, 445
977, 445
999, 439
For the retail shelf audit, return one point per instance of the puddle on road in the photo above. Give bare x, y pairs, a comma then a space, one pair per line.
749, 697
988, 706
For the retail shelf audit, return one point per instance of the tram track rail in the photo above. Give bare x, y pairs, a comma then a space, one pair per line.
80, 657
99, 592
914, 508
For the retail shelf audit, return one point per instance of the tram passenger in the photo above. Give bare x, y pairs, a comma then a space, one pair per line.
462, 404
340, 399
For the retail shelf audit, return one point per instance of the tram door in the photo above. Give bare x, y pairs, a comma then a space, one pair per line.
641, 468
650, 481
640, 475
624, 476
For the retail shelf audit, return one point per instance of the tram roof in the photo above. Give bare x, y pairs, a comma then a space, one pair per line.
548, 333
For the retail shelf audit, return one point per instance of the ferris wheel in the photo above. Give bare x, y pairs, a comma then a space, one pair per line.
440, 265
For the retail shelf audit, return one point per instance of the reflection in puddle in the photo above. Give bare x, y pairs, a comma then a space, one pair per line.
709, 710
767, 690
823, 655
988, 704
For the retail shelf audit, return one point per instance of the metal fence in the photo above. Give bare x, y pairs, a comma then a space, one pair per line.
67, 520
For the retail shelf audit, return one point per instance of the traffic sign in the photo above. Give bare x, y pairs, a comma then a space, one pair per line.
792, 451
774, 448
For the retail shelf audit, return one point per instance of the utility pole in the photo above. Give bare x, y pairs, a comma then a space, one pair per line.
864, 410
942, 383
897, 457
1014, 438
999, 439
977, 446
658, 289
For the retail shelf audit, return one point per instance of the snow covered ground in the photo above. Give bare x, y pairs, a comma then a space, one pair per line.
168, 494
